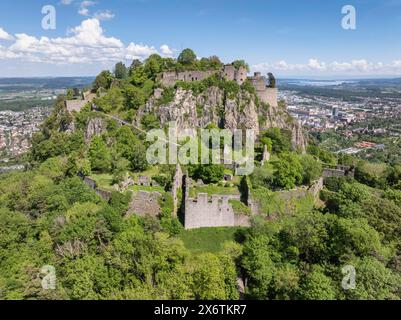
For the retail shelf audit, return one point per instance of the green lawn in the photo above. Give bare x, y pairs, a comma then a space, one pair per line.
213, 189
150, 172
103, 181
207, 239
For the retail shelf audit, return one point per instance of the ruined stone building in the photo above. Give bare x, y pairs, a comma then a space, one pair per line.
264, 93
215, 211
228, 72
338, 172
78, 104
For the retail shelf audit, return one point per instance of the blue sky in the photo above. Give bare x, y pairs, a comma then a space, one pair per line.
291, 38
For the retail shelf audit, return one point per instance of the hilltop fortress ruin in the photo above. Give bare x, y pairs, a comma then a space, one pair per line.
187, 109
228, 72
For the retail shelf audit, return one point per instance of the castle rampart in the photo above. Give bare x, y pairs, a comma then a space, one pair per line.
214, 211
338, 172
264, 93
228, 72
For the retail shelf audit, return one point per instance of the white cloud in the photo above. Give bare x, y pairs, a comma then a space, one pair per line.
100, 14
83, 8
166, 51
314, 64
104, 15
7, 54
4, 35
357, 67
85, 44
138, 51
66, 2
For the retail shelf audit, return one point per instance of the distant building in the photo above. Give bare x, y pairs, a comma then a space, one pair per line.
335, 112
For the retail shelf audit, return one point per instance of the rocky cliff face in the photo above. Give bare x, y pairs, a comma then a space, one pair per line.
95, 127
231, 112
211, 107
278, 117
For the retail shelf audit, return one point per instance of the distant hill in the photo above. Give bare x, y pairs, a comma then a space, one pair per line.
20, 84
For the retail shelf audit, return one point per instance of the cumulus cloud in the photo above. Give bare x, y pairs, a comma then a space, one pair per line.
84, 7
86, 43
314, 64
104, 15
138, 51
4, 35
166, 51
357, 67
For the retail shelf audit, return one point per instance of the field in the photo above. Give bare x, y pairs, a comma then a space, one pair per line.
208, 239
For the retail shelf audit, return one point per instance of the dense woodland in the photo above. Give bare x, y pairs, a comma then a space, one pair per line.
48, 216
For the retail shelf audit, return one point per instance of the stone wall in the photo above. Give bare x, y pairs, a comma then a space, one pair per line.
169, 79
77, 105
338, 172
303, 192
286, 198
144, 203
177, 186
271, 96
265, 94
106, 195
214, 211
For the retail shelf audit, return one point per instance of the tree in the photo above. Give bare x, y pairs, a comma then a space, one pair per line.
209, 173
241, 64
120, 167
312, 169
120, 71
70, 94
131, 148
138, 76
103, 80
211, 63
263, 176
187, 57
288, 171
372, 174
208, 278
134, 65
258, 262
150, 121
266, 141
374, 281
281, 139
134, 97
317, 286
153, 66
113, 100
272, 80
99, 155
394, 177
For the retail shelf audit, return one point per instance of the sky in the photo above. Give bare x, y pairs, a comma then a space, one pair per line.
291, 38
